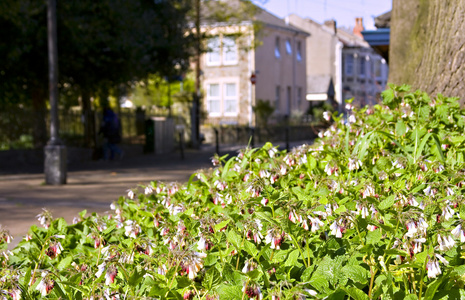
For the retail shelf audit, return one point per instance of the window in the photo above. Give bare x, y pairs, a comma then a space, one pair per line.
229, 50
213, 98
349, 64
299, 51
213, 54
223, 97
299, 97
277, 51
362, 71
377, 67
288, 47
230, 99
277, 98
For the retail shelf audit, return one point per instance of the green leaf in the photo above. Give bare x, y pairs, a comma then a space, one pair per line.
438, 146
373, 237
234, 239
250, 248
221, 225
356, 294
227, 292
340, 209
64, 263
401, 128
411, 297
387, 203
419, 151
292, 258
212, 278
432, 288
356, 273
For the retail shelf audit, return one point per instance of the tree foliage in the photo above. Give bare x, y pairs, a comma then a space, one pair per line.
101, 44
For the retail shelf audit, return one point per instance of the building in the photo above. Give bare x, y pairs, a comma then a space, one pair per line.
274, 57
340, 64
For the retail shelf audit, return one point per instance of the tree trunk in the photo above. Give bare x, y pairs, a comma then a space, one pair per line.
427, 48
39, 134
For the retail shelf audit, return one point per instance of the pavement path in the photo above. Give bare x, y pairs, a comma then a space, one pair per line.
92, 186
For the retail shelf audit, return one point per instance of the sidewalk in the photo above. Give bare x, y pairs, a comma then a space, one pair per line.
93, 186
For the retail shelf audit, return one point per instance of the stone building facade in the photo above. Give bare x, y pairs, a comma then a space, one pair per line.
275, 55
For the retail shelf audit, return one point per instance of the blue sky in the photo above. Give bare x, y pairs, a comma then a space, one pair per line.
343, 11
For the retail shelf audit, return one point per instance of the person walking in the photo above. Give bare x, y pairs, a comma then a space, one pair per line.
111, 131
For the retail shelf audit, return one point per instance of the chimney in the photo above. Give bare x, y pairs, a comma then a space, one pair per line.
331, 24
358, 27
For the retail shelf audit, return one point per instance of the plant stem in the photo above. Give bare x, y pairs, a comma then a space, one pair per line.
373, 273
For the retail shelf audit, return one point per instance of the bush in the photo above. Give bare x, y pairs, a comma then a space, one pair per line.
373, 210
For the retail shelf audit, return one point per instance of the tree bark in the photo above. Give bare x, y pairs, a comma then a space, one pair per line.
428, 46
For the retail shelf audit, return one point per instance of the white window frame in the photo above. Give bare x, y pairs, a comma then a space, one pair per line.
213, 49
222, 98
226, 98
226, 49
213, 98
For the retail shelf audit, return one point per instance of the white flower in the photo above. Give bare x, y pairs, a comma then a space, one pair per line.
101, 268
459, 233
445, 243
448, 212
352, 119
42, 287
201, 244
433, 269
148, 190
336, 230
130, 194
354, 164
327, 115
412, 229
316, 224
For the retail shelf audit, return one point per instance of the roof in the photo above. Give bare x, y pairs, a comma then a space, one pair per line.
273, 21
384, 20
217, 10
320, 84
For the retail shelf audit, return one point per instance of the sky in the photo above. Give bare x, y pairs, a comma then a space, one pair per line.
343, 11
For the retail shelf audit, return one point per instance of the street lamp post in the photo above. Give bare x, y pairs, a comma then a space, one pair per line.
55, 151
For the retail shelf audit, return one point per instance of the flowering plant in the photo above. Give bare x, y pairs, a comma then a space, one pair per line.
373, 210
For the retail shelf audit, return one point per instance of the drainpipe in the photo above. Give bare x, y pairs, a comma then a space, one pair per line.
338, 83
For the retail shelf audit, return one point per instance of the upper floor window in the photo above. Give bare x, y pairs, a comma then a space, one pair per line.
229, 50
213, 51
288, 47
277, 51
221, 50
349, 64
299, 51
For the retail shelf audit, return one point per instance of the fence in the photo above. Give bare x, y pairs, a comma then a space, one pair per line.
17, 127
230, 135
